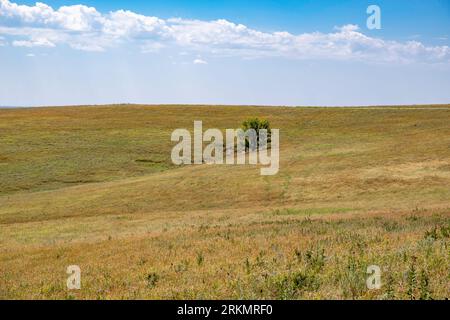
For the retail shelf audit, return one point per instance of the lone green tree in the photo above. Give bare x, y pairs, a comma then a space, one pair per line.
256, 124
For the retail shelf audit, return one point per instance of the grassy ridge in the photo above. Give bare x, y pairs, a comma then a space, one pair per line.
94, 186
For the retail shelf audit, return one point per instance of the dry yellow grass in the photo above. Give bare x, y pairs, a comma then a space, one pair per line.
94, 186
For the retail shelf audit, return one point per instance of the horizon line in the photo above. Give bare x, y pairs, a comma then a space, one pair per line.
430, 106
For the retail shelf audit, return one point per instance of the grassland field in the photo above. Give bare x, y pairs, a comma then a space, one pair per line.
94, 186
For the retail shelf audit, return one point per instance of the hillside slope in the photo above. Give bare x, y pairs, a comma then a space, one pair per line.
95, 186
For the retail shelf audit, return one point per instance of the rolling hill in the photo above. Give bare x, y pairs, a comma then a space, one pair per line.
94, 186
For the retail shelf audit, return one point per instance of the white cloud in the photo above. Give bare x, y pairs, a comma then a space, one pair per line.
74, 18
30, 55
39, 42
84, 28
152, 47
199, 61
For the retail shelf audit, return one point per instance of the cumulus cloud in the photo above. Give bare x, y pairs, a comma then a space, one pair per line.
199, 61
84, 28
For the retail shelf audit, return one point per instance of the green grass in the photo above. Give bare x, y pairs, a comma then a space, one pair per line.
94, 186
309, 211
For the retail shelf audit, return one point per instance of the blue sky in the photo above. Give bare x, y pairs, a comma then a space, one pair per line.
224, 52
